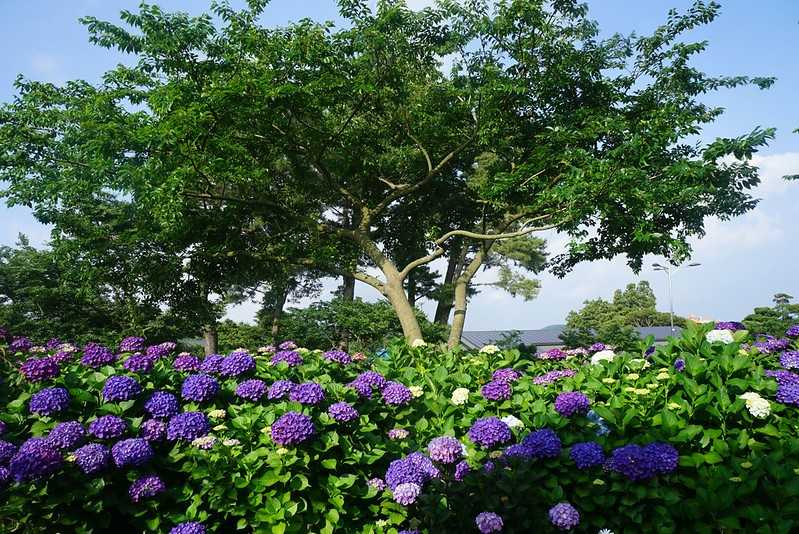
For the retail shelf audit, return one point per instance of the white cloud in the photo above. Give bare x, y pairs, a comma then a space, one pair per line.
772, 168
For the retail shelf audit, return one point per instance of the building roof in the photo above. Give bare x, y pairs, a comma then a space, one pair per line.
547, 336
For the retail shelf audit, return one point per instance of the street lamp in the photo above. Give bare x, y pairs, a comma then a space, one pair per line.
669, 269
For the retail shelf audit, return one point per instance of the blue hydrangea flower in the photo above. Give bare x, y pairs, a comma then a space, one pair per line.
67, 436
342, 412
571, 403
108, 427
251, 390
543, 443
292, 428
445, 449
120, 388
489, 432
49, 401
189, 527
280, 389
39, 369
162, 405
95, 355
146, 487
187, 426
92, 458
309, 393
587, 455
35, 459
236, 364
564, 516
199, 388
133, 452
488, 522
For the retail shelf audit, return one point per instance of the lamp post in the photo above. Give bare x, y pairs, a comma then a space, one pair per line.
669, 269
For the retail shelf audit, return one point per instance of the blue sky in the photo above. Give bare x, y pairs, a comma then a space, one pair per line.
744, 261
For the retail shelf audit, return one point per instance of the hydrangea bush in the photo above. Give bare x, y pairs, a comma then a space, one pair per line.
699, 435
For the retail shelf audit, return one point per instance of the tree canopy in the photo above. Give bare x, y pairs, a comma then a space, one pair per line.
773, 320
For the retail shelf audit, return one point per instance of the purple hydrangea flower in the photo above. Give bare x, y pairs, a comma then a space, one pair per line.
663, 457
790, 359
520, 451
496, 390
62, 356
280, 389
397, 433
7, 451
793, 331
309, 393
489, 432
162, 405
376, 483
770, 344
39, 369
597, 347
407, 493
571, 403
287, 345
145, 487
787, 387
289, 357
587, 455
488, 467
132, 452
367, 382
338, 356
108, 427
5, 475
189, 527
161, 350
553, 376
120, 388
131, 344
20, 344
342, 412
237, 364
729, 325
35, 459
212, 364
153, 430
186, 362
187, 426
445, 449
49, 401
553, 354
96, 355
139, 363
506, 375
415, 468
67, 435
252, 389
650, 350
679, 365
633, 462
564, 516
292, 428
461, 470
543, 443
92, 458
199, 388
488, 522
396, 394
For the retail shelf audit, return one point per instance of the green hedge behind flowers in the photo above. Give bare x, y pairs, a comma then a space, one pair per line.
738, 457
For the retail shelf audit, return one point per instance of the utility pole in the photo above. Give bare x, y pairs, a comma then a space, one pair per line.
669, 269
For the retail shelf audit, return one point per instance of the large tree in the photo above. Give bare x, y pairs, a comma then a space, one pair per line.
313, 133
776, 320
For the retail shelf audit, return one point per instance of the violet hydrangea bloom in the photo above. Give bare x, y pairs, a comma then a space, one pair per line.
638, 463
342, 412
461, 470
553, 376
145, 487
506, 375
132, 452
553, 354
597, 347
153, 430
162, 404
289, 357
287, 345
49, 401
679, 365
770, 344
139, 363
564, 516
732, 326
236, 364
189, 527
397, 433
489, 432
663, 457
39, 369
376, 483
120, 388
793, 331
519, 451
186, 362
396, 394
67, 435
292, 428
199, 388
787, 387
488, 522
187, 426
571, 403
367, 382
280, 389
35, 459
406, 493
131, 344
496, 390
338, 356
790, 359
212, 364
309, 393
543, 443
108, 427
587, 455
20, 344
415, 468
251, 390
92, 458
96, 355
445, 449
7, 451
161, 350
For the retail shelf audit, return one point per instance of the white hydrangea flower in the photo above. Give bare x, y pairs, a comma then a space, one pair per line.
460, 396
217, 414
603, 356
489, 349
757, 405
723, 336
512, 421
231, 442
605, 531
416, 391
750, 395
418, 343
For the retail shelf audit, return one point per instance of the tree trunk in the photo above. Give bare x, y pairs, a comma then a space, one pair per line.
348, 288
210, 339
411, 290
461, 299
444, 306
405, 313
277, 313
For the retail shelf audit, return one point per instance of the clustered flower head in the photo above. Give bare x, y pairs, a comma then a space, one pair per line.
204, 442
291, 358
35, 459
396, 394
416, 468
131, 344
606, 355
162, 405
237, 364
376, 483
638, 463
787, 387
139, 363
20, 344
187, 426
512, 421
719, 336
793, 331
406, 493
757, 405
280, 389
790, 359
153, 430
39, 369
564, 516
543, 443
587, 455
732, 326
489, 432
132, 452
460, 396
96, 355
488, 522
199, 388
461, 470
338, 356
367, 382
211, 364
309, 393
489, 349
397, 433
445, 449
553, 376
292, 428
92, 458
597, 347
7, 451
571, 403
506, 375
770, 344
49, 401
553, 354
67, 435
679, 365
251, 390
287, 345
496, 390
161, 350
342, 412
146, 487
189, 527
120, 388
186, 362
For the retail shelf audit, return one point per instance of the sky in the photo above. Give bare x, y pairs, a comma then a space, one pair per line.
744, 262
